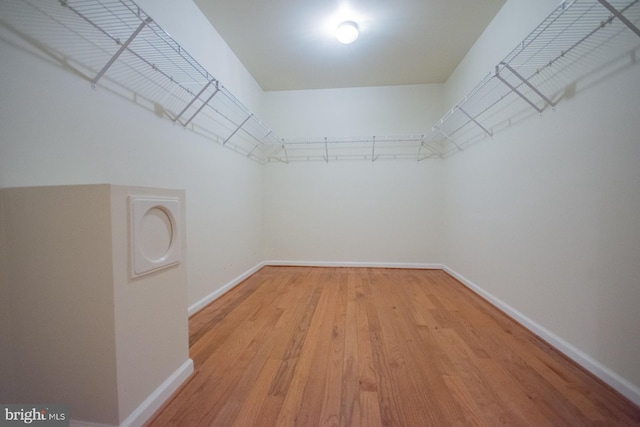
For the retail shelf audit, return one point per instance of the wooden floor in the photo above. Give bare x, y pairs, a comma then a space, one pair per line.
377, 347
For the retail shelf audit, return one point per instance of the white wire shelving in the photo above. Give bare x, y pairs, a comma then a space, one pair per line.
535, 74
115, 45
532, 78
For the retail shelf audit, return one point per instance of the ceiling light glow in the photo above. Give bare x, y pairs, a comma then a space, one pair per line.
347, 32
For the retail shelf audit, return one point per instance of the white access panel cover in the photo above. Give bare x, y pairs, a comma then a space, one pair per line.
155, 233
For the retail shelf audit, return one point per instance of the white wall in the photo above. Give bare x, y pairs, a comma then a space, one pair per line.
354, 212
544, 217
386, 110
57, 130
382, 212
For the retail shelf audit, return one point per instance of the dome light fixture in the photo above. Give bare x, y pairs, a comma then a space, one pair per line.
347, 32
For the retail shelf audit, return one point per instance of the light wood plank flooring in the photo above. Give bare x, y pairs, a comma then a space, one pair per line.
377, 347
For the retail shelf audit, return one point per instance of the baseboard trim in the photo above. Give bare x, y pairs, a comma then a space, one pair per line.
156, 399
199, 305
621, 385
151, 404
420, 266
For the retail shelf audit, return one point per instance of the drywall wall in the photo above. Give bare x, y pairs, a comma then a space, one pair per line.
544, 217
365, 111
359, 212
7, 385
56, 130
380, 212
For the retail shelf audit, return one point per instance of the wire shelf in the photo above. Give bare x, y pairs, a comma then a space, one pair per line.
534, 75
115, 45
370, 148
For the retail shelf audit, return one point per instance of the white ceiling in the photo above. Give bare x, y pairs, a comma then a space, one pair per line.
290, 44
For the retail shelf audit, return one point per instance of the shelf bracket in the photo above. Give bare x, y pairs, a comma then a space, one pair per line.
286, 155
526, 82
237, 129
123, 47
532, 87
473, 119
373, 150
620, 16
192, 101
426, 156
326, 150
202, 106
449, 138
424, 144
260, 142
274, 155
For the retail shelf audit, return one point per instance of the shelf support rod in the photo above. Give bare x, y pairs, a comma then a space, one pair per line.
515, 90
273, 155
237, 129
326, 150
373, 150
192, 101
620, 16
473, 119
449, 138
284, 148
252, 150
286, 154
261, 141
424, 144
533, 88
123, 47
202, 106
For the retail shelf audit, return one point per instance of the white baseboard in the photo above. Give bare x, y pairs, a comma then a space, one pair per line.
421, 266
155, 400
624, 387
199, 305
152, 403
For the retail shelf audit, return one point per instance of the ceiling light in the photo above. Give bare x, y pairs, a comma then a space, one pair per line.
347, 32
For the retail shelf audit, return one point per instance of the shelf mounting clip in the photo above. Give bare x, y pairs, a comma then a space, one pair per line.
620, 16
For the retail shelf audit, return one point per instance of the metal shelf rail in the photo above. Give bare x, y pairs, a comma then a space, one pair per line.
534, 75
115, 45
